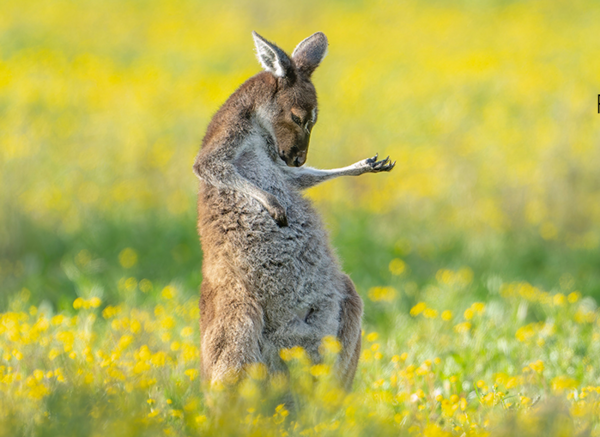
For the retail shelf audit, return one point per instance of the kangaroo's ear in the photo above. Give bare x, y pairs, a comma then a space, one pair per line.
310, 52
271, 57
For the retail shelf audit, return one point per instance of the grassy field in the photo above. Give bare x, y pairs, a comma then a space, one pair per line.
478, 257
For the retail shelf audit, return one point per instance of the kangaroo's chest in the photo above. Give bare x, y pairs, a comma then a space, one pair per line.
255, 165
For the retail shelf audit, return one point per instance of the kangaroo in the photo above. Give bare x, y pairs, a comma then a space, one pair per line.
270, 278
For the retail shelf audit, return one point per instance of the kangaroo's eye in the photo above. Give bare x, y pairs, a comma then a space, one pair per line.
296, 120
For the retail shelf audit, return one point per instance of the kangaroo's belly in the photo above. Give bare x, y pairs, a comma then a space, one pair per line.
293, 261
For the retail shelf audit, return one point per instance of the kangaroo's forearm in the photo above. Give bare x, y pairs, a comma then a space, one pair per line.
307, 177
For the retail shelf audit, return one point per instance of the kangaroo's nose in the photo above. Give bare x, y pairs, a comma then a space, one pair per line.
300, 160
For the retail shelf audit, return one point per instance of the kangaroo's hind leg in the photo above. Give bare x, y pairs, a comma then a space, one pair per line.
349, 333
231, 324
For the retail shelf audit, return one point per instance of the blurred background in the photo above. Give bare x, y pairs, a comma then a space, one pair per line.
489, 108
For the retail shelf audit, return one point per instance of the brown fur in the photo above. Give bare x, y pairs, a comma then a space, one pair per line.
270, 278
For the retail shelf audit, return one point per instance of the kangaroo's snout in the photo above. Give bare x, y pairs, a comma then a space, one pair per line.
300, 158
299, 161
294, 157
296, 160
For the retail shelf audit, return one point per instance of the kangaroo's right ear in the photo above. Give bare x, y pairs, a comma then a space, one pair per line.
310, 52
271, 57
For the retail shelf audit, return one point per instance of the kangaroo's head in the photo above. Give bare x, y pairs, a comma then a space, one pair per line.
292, 110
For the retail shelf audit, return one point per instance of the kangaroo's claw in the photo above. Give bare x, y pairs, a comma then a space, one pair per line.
282, 221
276, 211
279, 216
383, 165
372, 160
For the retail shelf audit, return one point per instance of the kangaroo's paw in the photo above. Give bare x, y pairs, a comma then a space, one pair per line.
383, 165
280, 217
277, 211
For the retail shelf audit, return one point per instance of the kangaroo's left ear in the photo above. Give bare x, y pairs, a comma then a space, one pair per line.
271, 57
310, 52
